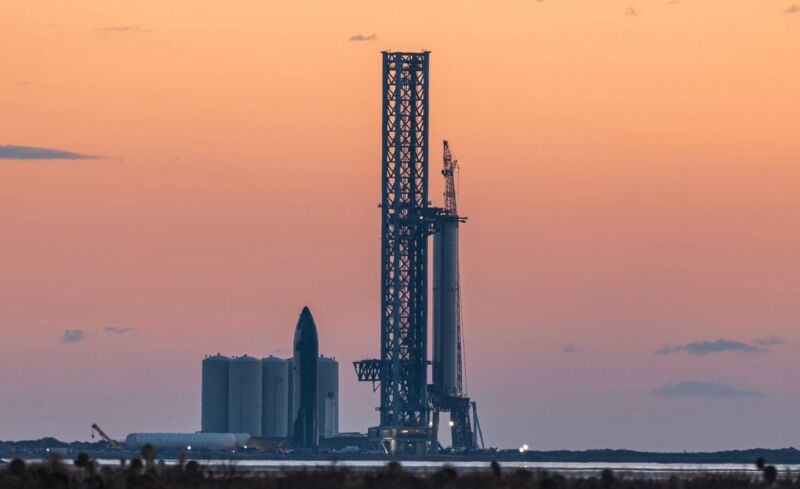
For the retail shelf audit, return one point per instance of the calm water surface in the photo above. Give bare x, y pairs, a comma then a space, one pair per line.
567, 468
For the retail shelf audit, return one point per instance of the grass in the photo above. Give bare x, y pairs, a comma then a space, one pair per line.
146, 472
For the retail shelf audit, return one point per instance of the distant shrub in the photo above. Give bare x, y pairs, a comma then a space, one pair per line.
16, 468
192, 474
770, 474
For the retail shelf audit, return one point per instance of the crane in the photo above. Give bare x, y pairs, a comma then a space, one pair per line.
113, 444
449, 170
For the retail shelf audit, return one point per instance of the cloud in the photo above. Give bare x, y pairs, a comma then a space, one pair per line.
792, 9
362, 37
117, 330
122, 29
771, 341
708, 390
30, 153
570, 348
700, 348
73, 336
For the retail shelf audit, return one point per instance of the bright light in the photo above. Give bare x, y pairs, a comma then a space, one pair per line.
452, 424
521, 450
430, 425
525, 446
189, 447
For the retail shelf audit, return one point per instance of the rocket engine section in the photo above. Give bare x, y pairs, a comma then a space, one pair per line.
446, 308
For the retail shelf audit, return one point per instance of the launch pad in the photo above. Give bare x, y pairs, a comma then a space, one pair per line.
409, 406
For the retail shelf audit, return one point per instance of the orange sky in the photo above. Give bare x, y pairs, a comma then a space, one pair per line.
631, 182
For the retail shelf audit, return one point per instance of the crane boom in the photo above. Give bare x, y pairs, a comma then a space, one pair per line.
113, 444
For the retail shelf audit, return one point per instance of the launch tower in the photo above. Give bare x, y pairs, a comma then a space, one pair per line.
406, 223
409, 407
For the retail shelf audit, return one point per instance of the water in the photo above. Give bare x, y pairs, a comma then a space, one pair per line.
566, 468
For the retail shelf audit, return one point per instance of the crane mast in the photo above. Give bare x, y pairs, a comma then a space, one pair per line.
449, 171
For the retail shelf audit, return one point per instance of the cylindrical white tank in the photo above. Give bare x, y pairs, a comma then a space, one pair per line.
328, 396
446, 307
183, 441
244, 396
214, 417
275, 397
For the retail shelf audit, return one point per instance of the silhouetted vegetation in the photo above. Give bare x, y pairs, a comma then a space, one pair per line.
84, 473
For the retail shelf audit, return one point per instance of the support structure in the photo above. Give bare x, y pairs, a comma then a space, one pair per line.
406, 223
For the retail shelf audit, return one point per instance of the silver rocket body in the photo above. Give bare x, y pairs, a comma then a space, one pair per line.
446, 307
305, 431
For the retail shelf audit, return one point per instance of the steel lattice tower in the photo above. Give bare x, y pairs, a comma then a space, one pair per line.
406, 223
404, 256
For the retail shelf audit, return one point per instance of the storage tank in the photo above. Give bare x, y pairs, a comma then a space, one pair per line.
328, 396
214, 407
244, 395
183, 441
446, 308
275, 397
290, 409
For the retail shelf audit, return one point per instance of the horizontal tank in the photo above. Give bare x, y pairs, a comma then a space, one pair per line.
241, 439
183, 441
328, 396
244, 396
214, 407
275, 397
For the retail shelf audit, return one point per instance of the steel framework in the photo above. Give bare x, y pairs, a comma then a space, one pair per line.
405, 228
406, 223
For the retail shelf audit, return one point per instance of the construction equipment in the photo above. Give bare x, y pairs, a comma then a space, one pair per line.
112, 444
449, 171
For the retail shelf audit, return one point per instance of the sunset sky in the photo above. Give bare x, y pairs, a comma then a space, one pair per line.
630, 171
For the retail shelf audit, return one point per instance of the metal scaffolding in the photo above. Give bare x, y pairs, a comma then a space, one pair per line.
406, 222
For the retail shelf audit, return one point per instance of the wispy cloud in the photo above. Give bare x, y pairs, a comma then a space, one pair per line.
700, 348
31, 153
570, 348
792, 9
362, 37
121, 29
708, 390
117, 330
771, 341
73, 336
